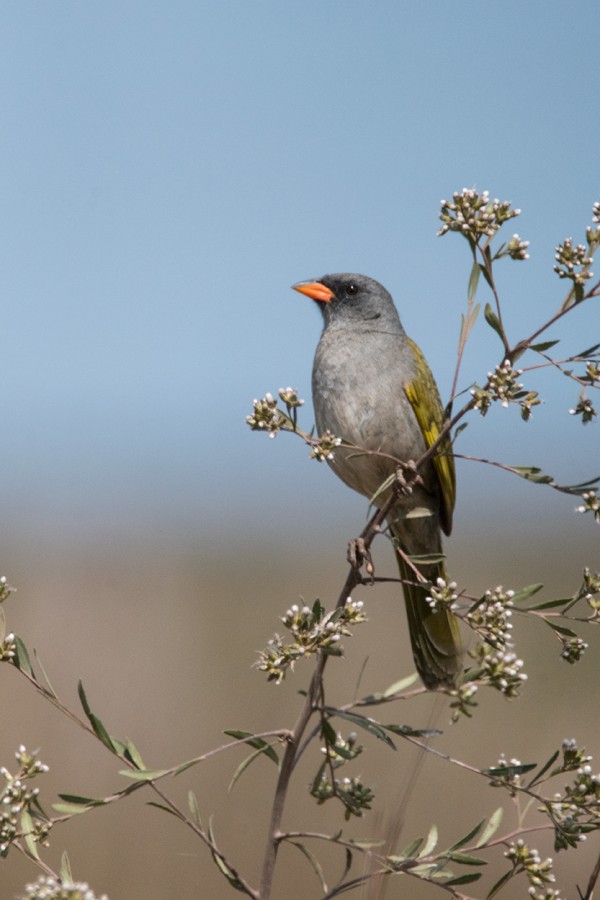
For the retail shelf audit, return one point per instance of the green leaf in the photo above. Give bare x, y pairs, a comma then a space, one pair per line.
526, 592
493, 321
328, 733
532, 473
509, 771
2, 625
408, 852
589, 352
131, 753
430, 842
369, 725
194, 808
491, 828
549, 604
393, 689
382, 488
347, 866
543, 346
163, 808
314, 862
469, 878
222, 865
560, 629
26, 823
467, 838
417, 512
81, 801
64, 873
544, 768
144, 774
21, 659
99, 729
473, 281
255, 742
245, 763
69, 809
408, 731
49, 687
465, 860
500, 884
365, 843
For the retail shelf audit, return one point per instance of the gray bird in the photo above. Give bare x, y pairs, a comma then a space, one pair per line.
373, 388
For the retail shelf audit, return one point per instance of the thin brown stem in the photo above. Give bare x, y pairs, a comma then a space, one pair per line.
290, 756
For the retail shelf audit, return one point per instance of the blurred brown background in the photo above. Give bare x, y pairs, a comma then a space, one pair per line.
163, 627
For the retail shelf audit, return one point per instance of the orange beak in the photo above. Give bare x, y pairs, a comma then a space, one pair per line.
315, 290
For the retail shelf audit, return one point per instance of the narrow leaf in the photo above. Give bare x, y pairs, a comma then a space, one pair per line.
81, 801
408, 852
328, 733
469, 878
383, 487
69, 809
500, 884
257, 743
369, 725
526, 592
544, 345
549, 604
222, 865
408, 731
144, 774
465, 860
491, 828
509, 771
22, 660
347, 866
132, 754
243, 766
545, 768
186, 765
26, 823
64, 872
473, 281
99, 729
430, 842
492, 319
532, 473
162, 807
560, 629
194, 808
314, 862
467, 838
46, 679
589, 352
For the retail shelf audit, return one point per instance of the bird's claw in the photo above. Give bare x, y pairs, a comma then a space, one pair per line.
407, 475
359, 555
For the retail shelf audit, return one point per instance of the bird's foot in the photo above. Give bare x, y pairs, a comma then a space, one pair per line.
407, 476
359, 555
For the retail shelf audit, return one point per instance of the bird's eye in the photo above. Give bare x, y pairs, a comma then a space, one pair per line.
351, 289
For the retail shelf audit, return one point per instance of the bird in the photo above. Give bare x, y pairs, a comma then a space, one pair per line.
372, 387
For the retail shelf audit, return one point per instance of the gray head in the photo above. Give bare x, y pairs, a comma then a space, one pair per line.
352, 300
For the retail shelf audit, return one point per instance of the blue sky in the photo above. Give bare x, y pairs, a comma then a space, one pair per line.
168, 170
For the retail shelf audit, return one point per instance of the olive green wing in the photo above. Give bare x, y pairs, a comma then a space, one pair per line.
424, 397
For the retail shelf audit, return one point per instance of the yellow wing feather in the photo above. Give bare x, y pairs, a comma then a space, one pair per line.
424, 397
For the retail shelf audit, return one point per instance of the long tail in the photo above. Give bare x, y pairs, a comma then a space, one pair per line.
435, 636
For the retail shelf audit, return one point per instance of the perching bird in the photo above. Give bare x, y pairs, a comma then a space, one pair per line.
372, 387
